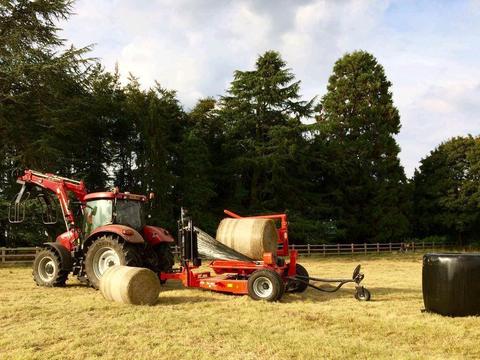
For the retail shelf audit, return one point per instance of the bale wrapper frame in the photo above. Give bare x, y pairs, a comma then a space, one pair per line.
267, 279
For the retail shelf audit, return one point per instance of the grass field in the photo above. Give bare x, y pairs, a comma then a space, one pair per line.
76, 322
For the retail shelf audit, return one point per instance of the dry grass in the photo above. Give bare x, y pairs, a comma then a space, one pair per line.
76, 322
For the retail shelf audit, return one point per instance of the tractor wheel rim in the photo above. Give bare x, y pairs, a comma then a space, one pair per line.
104, 258
263, 287
47, 268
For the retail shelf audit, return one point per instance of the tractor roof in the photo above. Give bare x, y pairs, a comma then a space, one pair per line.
114, 195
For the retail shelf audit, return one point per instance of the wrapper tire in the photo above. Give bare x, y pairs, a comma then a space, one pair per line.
265, 285
298, 286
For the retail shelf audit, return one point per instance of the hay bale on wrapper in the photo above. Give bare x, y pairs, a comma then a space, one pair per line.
209, 248
250, 237
130, 285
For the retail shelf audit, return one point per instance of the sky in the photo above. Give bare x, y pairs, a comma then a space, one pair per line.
430, 51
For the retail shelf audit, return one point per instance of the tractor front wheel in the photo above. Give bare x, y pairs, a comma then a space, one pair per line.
47, 269
106, 252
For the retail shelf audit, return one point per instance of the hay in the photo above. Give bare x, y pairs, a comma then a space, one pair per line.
250, 237
209, 248
130, 285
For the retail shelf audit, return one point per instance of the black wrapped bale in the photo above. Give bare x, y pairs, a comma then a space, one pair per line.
451, 284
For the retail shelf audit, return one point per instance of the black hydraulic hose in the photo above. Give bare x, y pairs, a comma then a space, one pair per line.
305, 280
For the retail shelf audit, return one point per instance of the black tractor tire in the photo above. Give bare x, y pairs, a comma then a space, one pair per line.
166, 260
47, 269
105, 252
362, 294
265, 285
298, 286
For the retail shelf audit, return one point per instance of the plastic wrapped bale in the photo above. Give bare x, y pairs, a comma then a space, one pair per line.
451, 285
248, 236
130, 285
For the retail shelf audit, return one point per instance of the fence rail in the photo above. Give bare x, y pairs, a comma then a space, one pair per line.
27, 254
366, 248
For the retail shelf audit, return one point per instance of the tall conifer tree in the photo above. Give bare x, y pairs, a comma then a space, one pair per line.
358, 123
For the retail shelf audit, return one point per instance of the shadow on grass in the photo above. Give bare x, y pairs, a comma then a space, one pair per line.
181, 300
378, 294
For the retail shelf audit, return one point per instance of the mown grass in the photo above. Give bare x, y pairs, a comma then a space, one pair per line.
77, 323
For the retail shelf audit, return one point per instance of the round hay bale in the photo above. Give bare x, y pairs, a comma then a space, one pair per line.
250, 237
450, 284
130, 285
209, 248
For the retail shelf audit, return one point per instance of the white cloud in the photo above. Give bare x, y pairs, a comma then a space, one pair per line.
430, 53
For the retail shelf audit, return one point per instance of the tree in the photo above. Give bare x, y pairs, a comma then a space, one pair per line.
447, 190
200, 173
262, 114
357, 122
42, 92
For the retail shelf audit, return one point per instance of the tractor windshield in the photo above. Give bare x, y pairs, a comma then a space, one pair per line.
130, 213
97, 213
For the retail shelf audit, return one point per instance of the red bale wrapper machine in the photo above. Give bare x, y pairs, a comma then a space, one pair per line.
113, 232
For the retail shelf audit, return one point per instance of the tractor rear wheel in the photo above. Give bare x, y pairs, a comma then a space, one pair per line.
265, 285
47, 269
105, 252
165, 257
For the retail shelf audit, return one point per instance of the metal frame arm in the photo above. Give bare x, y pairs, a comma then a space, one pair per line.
58, 185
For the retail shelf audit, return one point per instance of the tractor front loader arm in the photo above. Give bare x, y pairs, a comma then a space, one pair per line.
58, 185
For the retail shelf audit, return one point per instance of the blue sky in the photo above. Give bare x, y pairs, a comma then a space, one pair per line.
430, 51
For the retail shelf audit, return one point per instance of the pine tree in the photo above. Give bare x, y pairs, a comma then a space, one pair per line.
262, 115
358, 122
43, 92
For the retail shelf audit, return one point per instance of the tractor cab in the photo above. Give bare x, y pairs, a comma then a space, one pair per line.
106, 208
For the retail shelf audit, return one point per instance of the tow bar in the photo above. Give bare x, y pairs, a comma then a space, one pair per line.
361, 292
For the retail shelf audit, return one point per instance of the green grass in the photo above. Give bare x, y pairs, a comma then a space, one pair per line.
77, 323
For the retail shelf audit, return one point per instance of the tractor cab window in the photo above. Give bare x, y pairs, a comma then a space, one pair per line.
97, 213
130, 213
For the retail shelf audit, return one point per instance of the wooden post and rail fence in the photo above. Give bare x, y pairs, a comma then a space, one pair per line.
26, 255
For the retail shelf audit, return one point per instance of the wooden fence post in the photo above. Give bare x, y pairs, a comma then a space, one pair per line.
352, 247
390, 246
3, 255
308, 249
365, 247
413, 246
324, 250
423, 245
378, 247
338, 248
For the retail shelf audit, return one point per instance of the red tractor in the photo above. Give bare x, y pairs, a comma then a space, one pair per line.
112, 231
